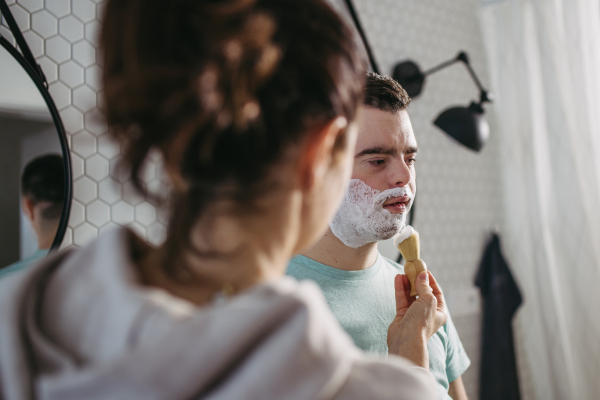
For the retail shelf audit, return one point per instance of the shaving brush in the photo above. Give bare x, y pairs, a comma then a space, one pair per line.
410, 247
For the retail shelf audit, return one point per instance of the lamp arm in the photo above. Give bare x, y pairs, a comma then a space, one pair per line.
440, 67
464, 58
474, 77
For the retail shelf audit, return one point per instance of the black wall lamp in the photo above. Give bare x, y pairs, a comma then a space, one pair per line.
466, 125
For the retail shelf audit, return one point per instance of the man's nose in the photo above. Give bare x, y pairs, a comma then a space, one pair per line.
401, 174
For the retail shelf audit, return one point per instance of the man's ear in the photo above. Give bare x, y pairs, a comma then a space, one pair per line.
321, 150
28, 208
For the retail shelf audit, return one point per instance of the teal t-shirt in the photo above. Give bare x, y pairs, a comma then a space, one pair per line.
364, 304
24, 263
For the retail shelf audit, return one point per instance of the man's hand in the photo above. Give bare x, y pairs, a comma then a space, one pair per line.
417, 319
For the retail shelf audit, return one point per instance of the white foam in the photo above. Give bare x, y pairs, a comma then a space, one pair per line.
362, 219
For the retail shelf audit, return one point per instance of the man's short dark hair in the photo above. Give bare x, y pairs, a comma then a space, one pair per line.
385, 94
43, 180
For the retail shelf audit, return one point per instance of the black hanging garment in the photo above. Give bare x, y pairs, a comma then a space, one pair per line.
501, 299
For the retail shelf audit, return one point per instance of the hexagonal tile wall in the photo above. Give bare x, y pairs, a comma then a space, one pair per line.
70, 28
35, 43
97, 213
44, 23
59, 8
84, 233
96, 167
122, 213
58, 49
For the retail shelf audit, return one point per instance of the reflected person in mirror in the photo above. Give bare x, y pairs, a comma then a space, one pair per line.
358, 281
42, 197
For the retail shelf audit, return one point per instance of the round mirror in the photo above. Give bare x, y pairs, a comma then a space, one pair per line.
35, 171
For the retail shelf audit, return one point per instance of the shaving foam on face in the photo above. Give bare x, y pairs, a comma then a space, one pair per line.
404, 234
362, 219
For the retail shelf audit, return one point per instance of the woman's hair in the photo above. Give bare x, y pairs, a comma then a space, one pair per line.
43, 181
221, 88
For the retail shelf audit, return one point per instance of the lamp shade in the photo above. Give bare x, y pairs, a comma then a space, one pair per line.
466, 125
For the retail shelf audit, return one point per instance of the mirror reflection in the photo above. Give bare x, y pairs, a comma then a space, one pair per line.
31, 170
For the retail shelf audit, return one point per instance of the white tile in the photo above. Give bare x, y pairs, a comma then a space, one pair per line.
107, 227
49, 68
72, 119
77, 214
92, 77
84, 234
109, 191
95, 123
84, 98
84, 190
122, 213
7, 34
71, 74
60, 94
31, 5
100, 8
44, 24
145, 213
156, 234
35, 43
84, 53
84, 144
96, 167
58, 49
59, 8
85, 10
21, 16
97, 213
92, 30
107, 146
77, 166
70, 28
67, 239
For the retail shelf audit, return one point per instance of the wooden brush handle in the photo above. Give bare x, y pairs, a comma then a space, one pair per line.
412, 269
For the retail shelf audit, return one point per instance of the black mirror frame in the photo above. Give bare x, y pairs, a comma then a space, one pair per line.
27, 61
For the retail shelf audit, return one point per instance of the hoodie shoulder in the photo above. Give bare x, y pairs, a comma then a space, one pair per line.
391, 379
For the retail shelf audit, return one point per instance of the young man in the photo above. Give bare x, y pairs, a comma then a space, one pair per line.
42, 186
357, 280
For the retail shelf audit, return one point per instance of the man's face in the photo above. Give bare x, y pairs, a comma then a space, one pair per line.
386, 152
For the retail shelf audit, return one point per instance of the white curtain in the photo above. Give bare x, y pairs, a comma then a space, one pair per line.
544, 57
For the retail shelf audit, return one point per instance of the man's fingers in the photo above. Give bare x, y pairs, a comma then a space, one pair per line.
401, 296
435, 287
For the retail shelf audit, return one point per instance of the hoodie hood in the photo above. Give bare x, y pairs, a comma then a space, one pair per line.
80, 325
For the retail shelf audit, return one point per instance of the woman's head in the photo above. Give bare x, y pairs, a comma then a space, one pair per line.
224, 89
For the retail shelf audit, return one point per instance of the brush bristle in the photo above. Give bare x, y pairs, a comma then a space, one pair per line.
411, 247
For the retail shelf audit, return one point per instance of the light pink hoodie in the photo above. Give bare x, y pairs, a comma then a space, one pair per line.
80, 326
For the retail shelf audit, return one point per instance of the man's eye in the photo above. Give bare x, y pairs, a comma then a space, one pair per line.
411, 161
377, 162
